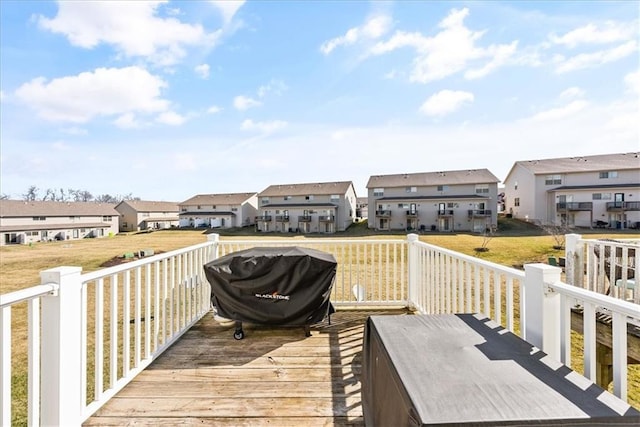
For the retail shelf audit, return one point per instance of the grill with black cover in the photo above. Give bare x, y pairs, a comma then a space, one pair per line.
283, 286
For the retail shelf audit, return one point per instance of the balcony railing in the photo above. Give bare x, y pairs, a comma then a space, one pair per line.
282, 218
479, 212
385, 213
574, 206
326, 218
304, 218
264, 218
95, 344
445, 212
623, 206
412, 214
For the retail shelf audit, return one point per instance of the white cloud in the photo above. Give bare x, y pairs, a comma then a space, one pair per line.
136, 32
3, 96
593, 59
171, 118
228, 8
446, 102
103, 92
451, 50
60, 146
572, 92
128, 121
610, 32
214, 109
243, 103
264, 127
202, 70
374, 28
275, 87
560, 112
633, 81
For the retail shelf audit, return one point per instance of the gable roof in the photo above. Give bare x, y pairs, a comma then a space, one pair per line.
314, 188
219, 199
21, 208
601, 162
150, 206
468, 176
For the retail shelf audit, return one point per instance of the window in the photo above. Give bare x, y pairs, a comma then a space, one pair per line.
601, 196
32, 233
198, 207
610, 174
378, 192
40, 218
213, 206
146, 214
553, 180
234, 209
265, 201
335, 197
287, 197
106, 218
515, 186
309, 197
403, 206
482, 189
411, 189
516, 201
443, 188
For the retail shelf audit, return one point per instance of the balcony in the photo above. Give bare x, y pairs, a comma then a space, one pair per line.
326, 218
170, 362
264, 218
282, 218
412, 214
383, 213
623, 206
574, 206
304, 218
445, 213
475, 213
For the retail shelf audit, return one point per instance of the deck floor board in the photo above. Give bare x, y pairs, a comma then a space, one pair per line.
274, 376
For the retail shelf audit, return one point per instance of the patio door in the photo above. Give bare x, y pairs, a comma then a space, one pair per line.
618, 200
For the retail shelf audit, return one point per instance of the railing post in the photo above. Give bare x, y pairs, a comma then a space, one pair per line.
573, 253
413, 263
215, 239
542, 314
62, 349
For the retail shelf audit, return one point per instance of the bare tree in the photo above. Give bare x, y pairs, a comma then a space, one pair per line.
83, 196
50, 194
106, 198
31, 194
4, 196
557, 232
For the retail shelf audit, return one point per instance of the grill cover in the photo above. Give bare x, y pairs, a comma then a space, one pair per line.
276, 286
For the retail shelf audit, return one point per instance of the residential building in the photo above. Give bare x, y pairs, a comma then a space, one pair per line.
136, 215
323, 207
227, 210
582, 191
462, 200
25, 222
362, 208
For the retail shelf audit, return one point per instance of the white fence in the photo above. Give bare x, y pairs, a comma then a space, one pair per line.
605, 266
98, 330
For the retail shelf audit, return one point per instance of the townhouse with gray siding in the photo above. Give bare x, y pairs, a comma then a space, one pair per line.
322, 207
581, 191
459, 200
137, 215
226, 210
25, 222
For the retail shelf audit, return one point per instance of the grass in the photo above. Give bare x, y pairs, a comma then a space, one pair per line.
515, 244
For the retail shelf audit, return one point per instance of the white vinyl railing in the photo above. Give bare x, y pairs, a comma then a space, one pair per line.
96, 331
605, 266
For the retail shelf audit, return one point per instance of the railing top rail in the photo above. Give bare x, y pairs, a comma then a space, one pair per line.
604, 301
632, 243
298, 241
104, 272
27, 294
502, 268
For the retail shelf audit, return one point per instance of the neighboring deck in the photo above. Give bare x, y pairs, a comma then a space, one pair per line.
274, 376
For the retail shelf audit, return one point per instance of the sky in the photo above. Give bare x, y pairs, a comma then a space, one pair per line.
163, 100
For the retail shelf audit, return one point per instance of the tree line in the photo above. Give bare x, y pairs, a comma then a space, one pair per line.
70, 195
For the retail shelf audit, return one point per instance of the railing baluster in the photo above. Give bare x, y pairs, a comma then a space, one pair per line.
99, 340
33, 362
113, 354
589, 333
619, 343
5, 365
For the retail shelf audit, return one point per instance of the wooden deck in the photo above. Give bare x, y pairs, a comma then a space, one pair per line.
274, 377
